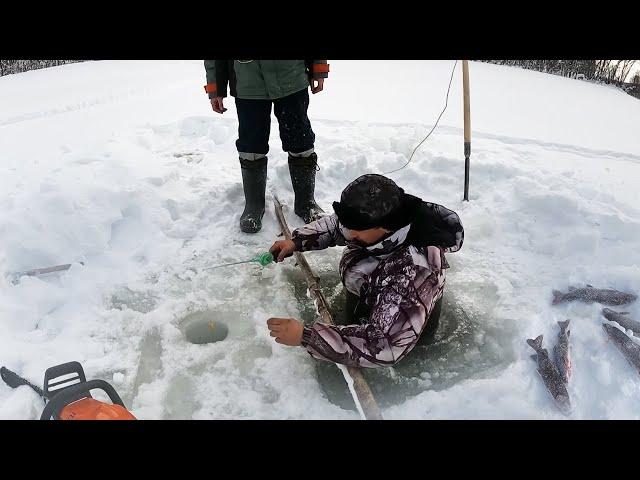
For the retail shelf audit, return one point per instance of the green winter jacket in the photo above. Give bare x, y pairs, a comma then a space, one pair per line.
261, 79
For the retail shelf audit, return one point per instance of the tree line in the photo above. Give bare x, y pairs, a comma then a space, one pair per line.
607, 71
7, 67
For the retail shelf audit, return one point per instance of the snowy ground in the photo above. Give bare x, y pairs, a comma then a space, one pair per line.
123, 166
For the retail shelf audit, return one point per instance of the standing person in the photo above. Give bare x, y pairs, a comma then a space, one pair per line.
256, 85
393, 271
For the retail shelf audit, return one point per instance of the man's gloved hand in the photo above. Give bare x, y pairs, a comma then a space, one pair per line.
317, 84
217, 104
282, 249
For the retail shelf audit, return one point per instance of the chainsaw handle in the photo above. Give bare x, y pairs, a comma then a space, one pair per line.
76, 392
14, 381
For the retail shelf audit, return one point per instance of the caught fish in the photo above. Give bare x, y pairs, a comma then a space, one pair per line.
589, 294
561, 354
628, 347
550, 376
622, 319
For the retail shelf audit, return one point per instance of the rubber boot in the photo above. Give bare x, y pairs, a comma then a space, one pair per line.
429, 334
254, 182
303, 179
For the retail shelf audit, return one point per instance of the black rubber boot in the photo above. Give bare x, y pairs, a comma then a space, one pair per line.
429, 334
303, 179
254, 182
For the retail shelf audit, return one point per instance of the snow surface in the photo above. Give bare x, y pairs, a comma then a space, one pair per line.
122, 165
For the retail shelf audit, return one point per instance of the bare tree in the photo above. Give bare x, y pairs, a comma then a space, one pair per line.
625, 67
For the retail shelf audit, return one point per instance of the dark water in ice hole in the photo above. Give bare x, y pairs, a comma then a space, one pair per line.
462, 347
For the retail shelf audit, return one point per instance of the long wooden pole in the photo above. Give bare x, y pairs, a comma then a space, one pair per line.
467, 126
364, 397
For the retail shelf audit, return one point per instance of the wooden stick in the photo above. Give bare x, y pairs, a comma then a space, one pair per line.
41, 271
467, 126
365, 400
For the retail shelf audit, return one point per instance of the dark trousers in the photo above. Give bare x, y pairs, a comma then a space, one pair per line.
355, 310
254, 123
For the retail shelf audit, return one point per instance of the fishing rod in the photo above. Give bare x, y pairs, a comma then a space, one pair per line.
263, 259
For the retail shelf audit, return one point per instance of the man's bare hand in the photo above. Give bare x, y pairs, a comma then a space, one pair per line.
287, 331
282, 249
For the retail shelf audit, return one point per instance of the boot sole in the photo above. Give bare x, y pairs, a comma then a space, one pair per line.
250, 227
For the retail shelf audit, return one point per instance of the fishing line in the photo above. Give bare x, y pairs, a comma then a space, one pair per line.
446, 103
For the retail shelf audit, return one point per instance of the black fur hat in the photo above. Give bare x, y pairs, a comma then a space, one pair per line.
372, 201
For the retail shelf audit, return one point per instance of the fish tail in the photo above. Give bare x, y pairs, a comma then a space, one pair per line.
563, 326
557, 297
535, 343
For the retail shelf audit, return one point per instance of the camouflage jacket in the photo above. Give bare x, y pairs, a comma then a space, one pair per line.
400, 279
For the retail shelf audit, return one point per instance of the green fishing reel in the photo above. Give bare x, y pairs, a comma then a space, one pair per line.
264, 259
